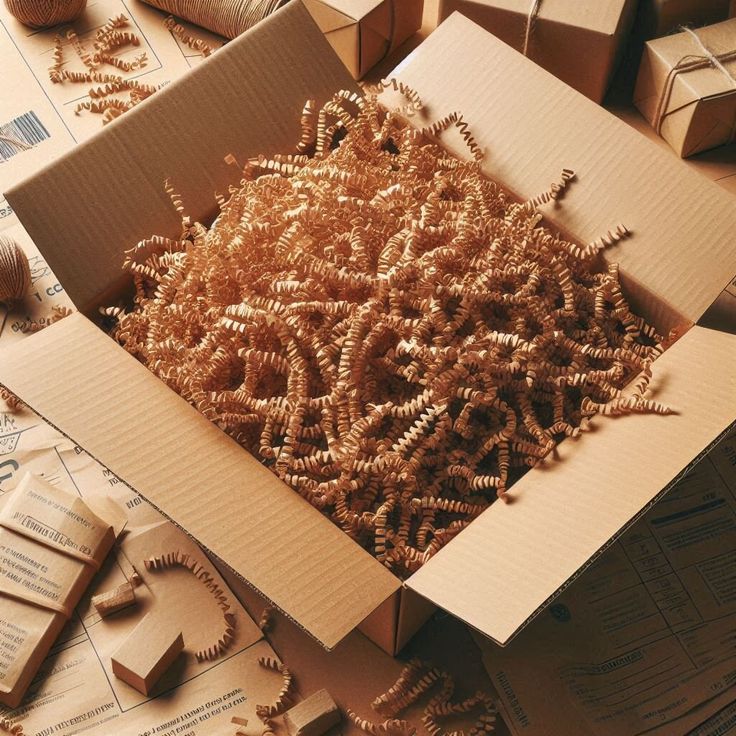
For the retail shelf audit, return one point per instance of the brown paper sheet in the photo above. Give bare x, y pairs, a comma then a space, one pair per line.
644, 640
75, 690
51, 544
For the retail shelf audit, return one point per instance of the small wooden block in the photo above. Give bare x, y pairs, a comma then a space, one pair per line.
313, 716
114, 600
147, 653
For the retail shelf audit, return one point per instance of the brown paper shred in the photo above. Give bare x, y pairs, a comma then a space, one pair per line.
418, 680
266, 713
414, 101
114, 94
81, 51
196, 44
456, 119
13, 403
385, 328
227, 635
7, 726
265, 622
58, 312
58, 58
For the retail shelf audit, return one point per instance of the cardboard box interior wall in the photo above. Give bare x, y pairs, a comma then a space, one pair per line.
497, 574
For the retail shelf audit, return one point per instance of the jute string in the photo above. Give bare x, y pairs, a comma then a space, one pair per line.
690, 63
15, 272
45, 13
227, 18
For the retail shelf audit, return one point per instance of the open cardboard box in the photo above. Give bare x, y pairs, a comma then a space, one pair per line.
86, 208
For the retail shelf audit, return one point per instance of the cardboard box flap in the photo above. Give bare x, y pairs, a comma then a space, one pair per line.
206, 483
682, 249
505, 567
245, 100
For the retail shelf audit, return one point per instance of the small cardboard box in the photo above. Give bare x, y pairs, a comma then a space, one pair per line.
659, 17
580, 43
84, 210
363, 32
687, 96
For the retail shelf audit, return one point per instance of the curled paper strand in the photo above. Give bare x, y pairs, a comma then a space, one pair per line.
114, 94
385, 328
284, 698
419, 680
227, 633
9, 727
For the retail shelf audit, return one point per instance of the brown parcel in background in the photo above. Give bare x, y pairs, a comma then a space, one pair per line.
363, 32
579, 42
502, 570
693, 109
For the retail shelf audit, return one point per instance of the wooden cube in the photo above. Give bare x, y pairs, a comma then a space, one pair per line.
147, 653
313, 716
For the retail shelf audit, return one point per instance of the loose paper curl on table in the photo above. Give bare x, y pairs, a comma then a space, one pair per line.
228, 18
416, 681
385, 328
284, 699
45, 13
7, 726
178, 559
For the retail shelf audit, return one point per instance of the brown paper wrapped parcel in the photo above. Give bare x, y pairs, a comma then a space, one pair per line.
579, 42
687, 87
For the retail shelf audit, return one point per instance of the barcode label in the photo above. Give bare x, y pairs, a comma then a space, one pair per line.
20, 134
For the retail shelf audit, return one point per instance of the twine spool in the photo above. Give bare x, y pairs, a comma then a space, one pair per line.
15, 273
45, 13
228, 18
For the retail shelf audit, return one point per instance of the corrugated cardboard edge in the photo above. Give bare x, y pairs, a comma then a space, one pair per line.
327, 595
613, 163
249, 97
583, 487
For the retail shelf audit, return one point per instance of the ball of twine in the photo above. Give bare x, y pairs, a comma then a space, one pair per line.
15, 273
228, 18
45, 13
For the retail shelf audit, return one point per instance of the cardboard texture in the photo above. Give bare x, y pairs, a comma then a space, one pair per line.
282, 48
52, 545
75, 684
686, 89
659, 17
642, 641
564, 33
274, 538
251, 521
364, 32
